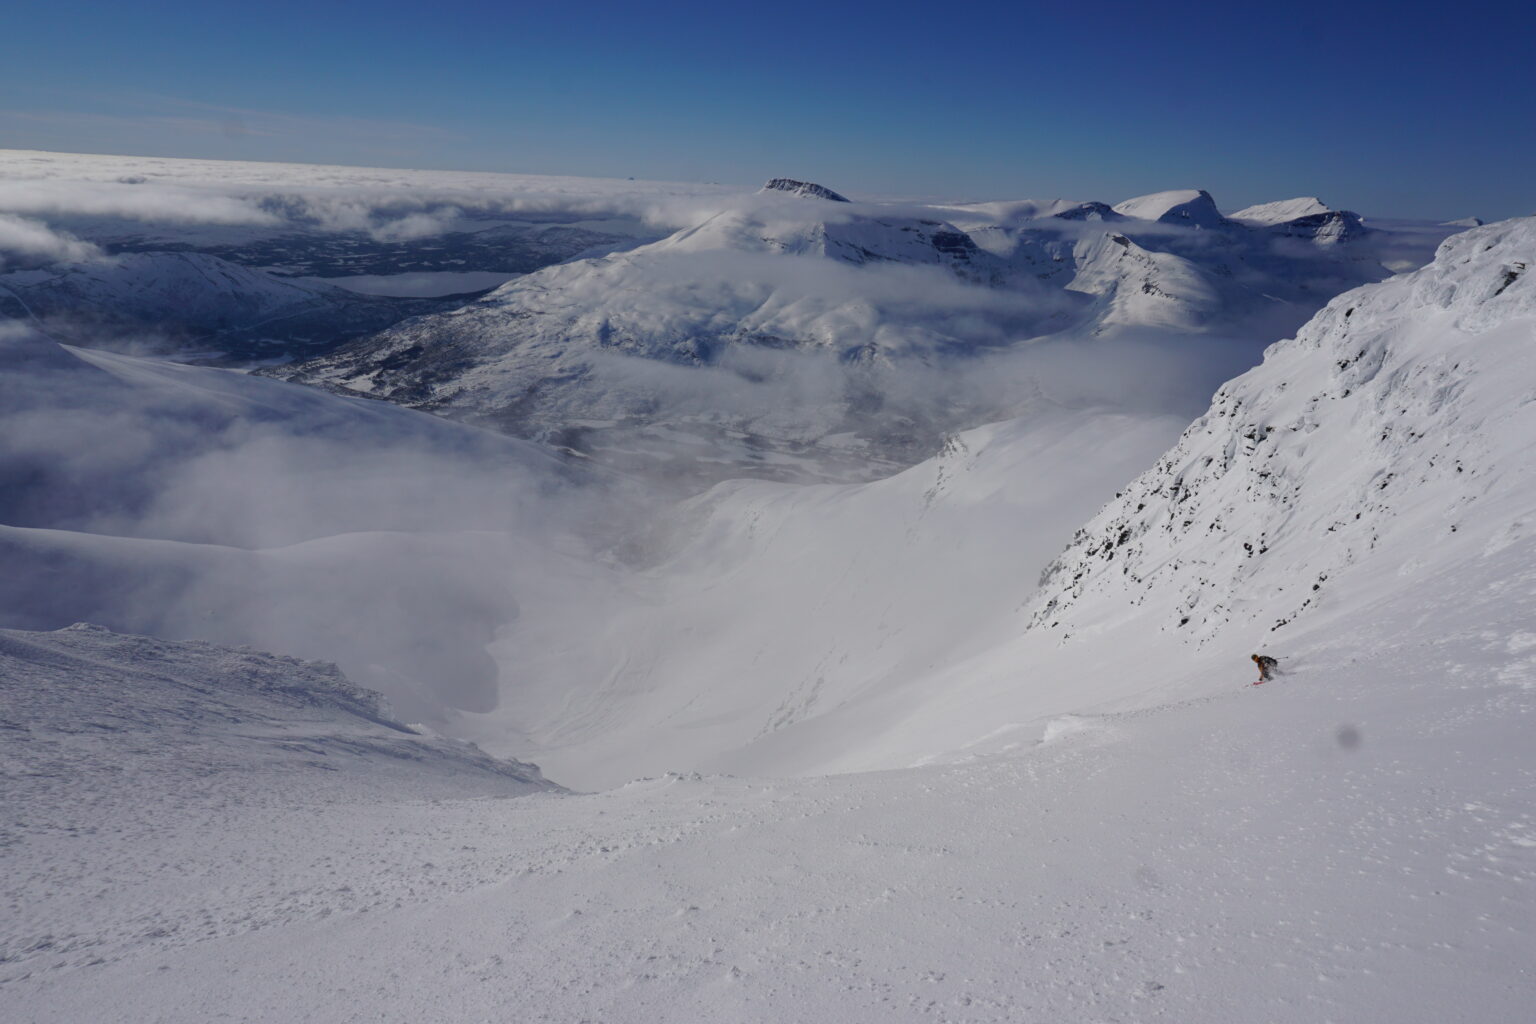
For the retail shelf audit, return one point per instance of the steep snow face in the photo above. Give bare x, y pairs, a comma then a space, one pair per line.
1391, 432
803, 189
134, 712
1137, 287
1185, 207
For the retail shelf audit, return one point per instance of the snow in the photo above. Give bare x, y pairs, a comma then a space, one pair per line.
1359, 441
855, 759
1189, 207
1353, 842
1281, 211
686, 667
775, 323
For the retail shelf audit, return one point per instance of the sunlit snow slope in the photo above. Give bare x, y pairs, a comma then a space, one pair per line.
825, 628
1390, 436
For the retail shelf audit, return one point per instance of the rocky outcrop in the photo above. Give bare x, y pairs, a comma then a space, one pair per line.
804, 189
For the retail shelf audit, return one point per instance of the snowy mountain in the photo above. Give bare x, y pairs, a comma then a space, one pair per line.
900, 748
805, 189
195, 828
1321, 472
782, 337
771, 336
1136, 287
1281, 211
1193, 208
1307, 217
1368, 440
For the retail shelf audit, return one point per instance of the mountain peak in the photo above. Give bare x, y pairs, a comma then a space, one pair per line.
1191, 207
804, 189
1181, 206
1304, 217
1282, 210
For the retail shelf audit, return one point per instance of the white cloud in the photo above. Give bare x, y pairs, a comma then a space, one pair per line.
33, 240
389, 205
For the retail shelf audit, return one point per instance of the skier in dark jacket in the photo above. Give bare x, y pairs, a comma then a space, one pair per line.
1267, 667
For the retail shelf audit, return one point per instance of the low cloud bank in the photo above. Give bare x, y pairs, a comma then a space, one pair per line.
24, 241
85, 192
203, 504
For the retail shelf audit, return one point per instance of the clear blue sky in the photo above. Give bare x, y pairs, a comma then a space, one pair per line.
1405, 109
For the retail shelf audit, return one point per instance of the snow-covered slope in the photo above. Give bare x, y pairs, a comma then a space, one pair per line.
1352, 843
1086, 814
1192, 208
788, 624
851, 235
1355, 462
1281, 210
1392, 431
141, 717
1304, 217
1134, 287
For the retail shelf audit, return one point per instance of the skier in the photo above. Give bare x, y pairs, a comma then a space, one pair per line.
1267, 667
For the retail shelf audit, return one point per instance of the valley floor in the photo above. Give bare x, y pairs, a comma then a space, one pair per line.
1353, 842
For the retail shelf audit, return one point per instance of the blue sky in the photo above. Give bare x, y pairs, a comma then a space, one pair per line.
1405, 109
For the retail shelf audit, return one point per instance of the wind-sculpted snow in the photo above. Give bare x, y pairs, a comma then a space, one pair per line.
1391, 432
